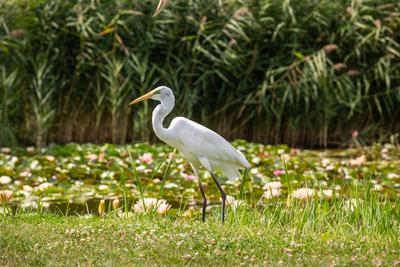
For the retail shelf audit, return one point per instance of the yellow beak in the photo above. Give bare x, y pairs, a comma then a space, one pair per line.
143, 97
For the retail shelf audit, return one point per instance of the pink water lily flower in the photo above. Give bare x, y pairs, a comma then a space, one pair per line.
279, 172
148, 204
91, 157
272, 185
5, 179
358, 161
146, 158
233, 203
189, 177
5, 150
5, 196
50, 158
271, 193
327, 194
303, 193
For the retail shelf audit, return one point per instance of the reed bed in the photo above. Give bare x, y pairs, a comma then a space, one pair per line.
306, 73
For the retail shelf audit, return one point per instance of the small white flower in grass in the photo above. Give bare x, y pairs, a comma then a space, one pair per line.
303, 193
5, 179
271, 193
272, 185
149, 204
30, 149
233, 203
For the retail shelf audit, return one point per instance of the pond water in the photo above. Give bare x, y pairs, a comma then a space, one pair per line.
73, 178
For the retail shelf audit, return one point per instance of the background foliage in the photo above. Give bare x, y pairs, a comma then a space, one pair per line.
300, 72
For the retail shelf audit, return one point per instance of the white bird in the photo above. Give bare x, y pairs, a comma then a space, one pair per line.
198, 144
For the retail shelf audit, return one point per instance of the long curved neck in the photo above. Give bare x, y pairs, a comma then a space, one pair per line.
159, 114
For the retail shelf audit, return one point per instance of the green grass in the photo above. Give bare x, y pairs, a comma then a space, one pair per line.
304, 233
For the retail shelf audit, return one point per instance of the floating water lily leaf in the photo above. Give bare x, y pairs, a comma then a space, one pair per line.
171, 185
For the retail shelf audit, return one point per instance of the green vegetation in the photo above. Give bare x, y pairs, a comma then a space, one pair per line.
78, 174
83, 205
296, 238
298, 72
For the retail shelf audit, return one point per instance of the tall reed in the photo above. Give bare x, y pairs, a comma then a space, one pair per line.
306, 73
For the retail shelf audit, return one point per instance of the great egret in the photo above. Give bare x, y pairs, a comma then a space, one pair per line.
198, 144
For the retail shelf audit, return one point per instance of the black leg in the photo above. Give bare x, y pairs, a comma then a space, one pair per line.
203, 195
223, 196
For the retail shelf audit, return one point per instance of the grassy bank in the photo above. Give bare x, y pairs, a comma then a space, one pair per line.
306, 73
302, 238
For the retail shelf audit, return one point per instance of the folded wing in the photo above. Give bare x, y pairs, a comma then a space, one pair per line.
205, 143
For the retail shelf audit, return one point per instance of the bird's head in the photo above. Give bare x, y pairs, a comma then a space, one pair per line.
159, 94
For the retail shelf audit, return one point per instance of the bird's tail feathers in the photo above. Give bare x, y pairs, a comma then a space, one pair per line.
242, 159
229, 170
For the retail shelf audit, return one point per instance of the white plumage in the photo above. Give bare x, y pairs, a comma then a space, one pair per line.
198, 144
201, 146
